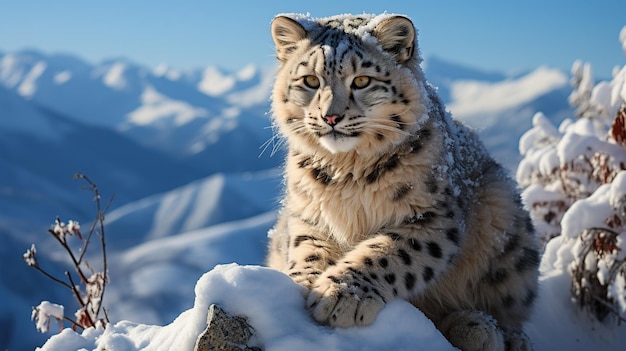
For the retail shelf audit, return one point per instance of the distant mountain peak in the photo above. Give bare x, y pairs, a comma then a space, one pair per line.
247, 72
214, 82
163, 70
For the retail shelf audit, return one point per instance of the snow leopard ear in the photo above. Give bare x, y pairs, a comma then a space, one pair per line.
396, 35
286, 33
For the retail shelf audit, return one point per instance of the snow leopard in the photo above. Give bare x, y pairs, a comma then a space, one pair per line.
386, 195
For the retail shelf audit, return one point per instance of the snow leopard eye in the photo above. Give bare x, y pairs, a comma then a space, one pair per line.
361, 82
311, 81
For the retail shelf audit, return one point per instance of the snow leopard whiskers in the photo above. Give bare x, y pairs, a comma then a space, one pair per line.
386, 196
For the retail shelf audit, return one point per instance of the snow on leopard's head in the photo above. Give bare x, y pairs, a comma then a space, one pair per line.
347, 83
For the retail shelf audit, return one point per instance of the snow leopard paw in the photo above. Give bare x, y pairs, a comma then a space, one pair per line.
343, 302
517, 341
473, 331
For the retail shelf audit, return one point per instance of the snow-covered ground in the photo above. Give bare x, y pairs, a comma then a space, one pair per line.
274, 306
193, 196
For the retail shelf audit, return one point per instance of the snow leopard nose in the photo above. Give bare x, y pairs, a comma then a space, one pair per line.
332, 120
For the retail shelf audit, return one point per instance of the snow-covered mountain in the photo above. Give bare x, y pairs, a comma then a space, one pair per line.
183, 152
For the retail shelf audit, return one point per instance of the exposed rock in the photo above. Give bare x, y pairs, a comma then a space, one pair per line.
226, 333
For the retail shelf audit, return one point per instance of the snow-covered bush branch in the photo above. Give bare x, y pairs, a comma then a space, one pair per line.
574, 182
92, 282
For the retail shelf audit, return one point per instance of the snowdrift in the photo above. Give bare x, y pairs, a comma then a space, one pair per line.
274, 306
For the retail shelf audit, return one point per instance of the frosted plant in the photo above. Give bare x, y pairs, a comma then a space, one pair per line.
44, 312
90, 300
575, 188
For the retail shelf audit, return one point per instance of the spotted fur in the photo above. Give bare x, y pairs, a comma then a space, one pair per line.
386, 195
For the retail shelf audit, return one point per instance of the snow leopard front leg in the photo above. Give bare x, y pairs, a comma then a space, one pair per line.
399, 263
309, 252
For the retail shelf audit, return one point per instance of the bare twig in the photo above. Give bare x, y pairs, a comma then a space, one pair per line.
91, 301
100, 221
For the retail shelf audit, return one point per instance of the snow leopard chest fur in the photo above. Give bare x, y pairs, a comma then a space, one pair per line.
385, 195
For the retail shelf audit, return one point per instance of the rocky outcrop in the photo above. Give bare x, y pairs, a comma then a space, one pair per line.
227, 333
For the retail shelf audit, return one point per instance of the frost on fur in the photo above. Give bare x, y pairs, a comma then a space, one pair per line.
575, 187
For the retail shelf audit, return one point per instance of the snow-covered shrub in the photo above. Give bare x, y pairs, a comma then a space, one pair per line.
574, 182
92, 282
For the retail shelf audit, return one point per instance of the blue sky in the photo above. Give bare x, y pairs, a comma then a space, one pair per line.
507, 36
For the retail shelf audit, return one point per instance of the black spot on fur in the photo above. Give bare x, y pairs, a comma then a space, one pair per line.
416, 146
409, 281
531, 295
530, 227
512, 244
434, 249
508, 301
330, 262
368, 261
406, 258
374, 276
398, 121
383, 262
453, 234
428, 274
393, 236
334, 279
529, 259
383, 167
390, 278
300, 238
496, 276
380, 136
322, 175
295, 274
431, 185
305, 162
460, 202
401, 192
426, 217
312, 258
415, 244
